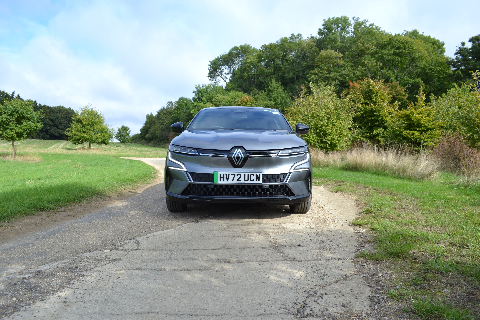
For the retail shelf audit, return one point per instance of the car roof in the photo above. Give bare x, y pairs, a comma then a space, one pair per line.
240, 108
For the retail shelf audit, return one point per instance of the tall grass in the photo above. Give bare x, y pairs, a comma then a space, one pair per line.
393, 162
454, 155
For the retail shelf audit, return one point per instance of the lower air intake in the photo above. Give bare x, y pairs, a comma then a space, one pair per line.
227, 190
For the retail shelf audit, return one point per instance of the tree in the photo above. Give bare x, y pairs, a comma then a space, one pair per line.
224, 66
123, 134
329, 118
274, 96
467, 60
458, 111
363, 50
4, 96
372, 109
18, 121
416, 125
414, 61
55, 121
287, 61
89, 126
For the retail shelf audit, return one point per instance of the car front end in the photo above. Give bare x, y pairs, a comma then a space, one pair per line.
235, 166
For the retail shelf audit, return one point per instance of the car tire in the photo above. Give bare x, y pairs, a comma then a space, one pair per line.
302, 207
175, 206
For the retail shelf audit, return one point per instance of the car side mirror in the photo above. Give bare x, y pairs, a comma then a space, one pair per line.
177, 127
301, 128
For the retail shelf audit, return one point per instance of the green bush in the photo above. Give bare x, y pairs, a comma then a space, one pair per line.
458, 111
415, 126
329, 118
372, 110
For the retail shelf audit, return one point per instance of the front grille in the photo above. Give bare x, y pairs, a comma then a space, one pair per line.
266, 178
230, 190
201, 177
272, 178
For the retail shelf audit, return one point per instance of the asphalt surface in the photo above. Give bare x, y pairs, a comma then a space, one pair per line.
135, 260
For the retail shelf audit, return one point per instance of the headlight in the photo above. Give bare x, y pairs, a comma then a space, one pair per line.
184, 150
175, 164
292, 151
301, 165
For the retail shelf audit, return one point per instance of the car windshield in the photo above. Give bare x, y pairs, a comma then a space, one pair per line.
239, 119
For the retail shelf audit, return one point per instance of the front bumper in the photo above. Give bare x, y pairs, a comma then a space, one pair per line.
286, 181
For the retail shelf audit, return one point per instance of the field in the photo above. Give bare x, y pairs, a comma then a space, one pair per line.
50, 174
35, 147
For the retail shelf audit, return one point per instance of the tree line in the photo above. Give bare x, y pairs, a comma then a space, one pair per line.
352, 82
54, 120
21, 119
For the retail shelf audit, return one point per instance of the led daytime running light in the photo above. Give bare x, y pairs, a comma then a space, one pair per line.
294, 167
182, 166
292, 151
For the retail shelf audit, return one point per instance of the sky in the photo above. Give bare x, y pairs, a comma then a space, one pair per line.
128, 58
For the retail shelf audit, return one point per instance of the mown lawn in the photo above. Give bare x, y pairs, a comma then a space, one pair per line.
33, 146
428, 232
51, 174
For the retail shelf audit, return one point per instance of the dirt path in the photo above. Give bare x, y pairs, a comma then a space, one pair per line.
133, 259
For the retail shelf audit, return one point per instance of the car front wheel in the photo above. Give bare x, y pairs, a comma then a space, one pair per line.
175, 206
301, 207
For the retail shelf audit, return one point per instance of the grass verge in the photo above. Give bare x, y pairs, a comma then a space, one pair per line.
427, 232
47, 181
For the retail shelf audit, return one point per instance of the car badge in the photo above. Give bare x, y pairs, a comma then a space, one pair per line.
237, 157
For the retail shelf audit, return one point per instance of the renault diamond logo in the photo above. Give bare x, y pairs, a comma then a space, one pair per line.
237, 157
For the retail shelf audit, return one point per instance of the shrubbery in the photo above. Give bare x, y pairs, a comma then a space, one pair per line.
329, 118
454, 155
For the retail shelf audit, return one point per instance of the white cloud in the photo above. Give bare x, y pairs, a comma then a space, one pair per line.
100, 56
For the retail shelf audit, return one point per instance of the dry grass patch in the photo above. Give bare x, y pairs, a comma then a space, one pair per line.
393, 162
30, 158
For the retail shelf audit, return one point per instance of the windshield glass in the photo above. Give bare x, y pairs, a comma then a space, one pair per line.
239, 119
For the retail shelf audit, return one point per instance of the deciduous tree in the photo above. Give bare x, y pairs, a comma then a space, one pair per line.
372, 110
18, 121
329, 118
416, 126
123, 134
458, 111
55, 121
89, 126
467, 59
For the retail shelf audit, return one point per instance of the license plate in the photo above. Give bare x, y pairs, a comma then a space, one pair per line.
229, 177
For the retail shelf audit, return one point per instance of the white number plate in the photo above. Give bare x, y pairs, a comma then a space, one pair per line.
244, 177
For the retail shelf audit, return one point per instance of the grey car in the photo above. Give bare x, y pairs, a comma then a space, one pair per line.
238, 154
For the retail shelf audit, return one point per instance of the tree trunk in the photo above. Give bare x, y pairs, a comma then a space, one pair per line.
14, 150
89, 145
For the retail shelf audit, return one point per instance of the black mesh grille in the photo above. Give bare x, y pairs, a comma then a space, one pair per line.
266, 178
271, 178
201, 177
229, 190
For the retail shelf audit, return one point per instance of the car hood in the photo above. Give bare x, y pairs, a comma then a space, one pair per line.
250, 140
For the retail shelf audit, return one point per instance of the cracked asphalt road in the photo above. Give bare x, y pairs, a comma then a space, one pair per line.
135, 260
